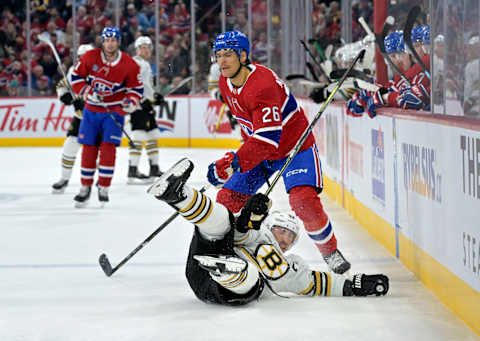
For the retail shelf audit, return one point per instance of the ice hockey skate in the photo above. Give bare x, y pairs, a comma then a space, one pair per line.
60, 186
135, 177
82, 198
169, 187
102, 195
336, 262
221, 265
155, 172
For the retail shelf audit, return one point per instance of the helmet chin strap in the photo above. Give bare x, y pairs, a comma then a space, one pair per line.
237, 72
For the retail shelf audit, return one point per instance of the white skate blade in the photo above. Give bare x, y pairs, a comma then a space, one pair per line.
136, 181
58, 191
81, 204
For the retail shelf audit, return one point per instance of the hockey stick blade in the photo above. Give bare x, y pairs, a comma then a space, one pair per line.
295, 76
105, 264
412, 17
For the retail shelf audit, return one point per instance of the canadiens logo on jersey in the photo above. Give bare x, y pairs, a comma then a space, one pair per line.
101, 86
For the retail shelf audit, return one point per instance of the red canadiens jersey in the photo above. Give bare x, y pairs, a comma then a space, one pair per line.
417, 77
113, 81
272, 121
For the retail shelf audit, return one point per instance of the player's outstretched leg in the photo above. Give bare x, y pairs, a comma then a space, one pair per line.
212, 219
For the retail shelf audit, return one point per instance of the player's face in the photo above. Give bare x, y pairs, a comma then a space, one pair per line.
284, 237
401, 60
145, 51
228, 62
419, 48
110, 46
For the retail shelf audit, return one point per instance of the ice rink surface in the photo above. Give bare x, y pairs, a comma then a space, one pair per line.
52, 288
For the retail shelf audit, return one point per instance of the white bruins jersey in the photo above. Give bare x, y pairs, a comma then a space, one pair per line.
62, 88
146, 77
213, 76
288, 274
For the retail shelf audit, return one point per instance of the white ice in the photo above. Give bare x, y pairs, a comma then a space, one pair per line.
52, 288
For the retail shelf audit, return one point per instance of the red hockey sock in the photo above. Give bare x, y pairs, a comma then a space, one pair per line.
233, 201
306, 204
89, 159
107, 164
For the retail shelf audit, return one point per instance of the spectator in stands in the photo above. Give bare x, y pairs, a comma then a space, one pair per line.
49, 65
37, 73
42, 87
13, 89
183, 90
163, 85
260, 48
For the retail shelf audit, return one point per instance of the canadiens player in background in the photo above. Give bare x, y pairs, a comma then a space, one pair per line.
272, 122
109, 82
144, 124
232, 260
71, 145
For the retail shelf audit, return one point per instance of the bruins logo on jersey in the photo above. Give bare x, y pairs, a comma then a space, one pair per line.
271, 262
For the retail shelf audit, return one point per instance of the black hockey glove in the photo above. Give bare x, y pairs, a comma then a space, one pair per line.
254, 212
66, 98
147, 106
363, 285
319, 95
158, 98
78, 104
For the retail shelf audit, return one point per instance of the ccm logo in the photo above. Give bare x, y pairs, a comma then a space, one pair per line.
296, 171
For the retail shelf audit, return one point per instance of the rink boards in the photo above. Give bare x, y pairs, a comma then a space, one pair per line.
411, 180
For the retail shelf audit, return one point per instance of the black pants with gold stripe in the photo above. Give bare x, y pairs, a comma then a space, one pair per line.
204, 287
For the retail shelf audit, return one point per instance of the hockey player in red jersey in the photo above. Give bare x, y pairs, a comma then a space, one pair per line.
272, 123
398, 93
108, 80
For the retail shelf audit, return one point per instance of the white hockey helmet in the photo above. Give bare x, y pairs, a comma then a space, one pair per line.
84, 48
143, 40
287, 220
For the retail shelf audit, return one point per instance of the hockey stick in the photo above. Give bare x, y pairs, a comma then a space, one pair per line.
107, 266
307, 132
407, 36
217, 124
312, 71
336, 74
320, 67
379, 41
182, 83
47, 41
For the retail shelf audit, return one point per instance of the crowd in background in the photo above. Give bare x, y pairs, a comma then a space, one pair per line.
53, 18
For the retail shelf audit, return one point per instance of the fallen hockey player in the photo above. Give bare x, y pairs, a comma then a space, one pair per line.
231, 260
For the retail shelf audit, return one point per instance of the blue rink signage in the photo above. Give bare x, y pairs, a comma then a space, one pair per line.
378, 165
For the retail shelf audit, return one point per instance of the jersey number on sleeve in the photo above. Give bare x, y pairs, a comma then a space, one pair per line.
270, 114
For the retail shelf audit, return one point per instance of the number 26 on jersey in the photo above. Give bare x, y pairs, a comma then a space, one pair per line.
271, 114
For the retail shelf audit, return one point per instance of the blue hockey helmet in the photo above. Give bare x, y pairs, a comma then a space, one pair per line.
421, 34
111, 31
394, 42
233, 40
426, 34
